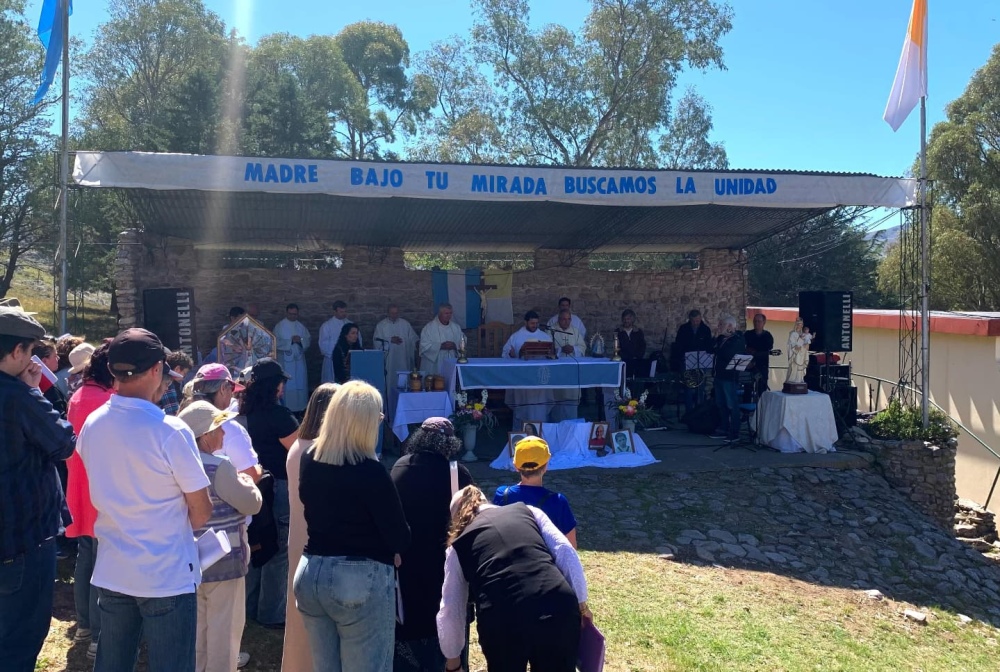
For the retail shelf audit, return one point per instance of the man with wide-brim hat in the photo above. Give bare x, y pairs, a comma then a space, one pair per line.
34, 440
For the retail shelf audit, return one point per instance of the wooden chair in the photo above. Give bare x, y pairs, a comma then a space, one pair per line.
492, 337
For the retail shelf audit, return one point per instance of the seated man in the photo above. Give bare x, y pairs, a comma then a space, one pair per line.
531, 459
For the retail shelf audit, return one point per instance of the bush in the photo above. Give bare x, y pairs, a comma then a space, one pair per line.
905, 423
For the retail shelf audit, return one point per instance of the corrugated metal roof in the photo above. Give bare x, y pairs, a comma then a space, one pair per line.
316, 221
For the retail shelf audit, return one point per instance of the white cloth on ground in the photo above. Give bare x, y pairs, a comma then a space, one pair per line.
569, 443
527, 405
292, 357
432, 336
401, 355
455, 592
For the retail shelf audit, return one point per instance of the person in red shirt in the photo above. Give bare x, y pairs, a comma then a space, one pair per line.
97, 388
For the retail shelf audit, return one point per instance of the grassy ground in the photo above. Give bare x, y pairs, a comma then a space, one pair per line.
93, 319
665, 616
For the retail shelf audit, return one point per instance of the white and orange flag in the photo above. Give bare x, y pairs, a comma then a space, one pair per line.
910, 84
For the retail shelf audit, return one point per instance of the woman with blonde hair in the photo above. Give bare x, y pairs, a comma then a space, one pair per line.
295, 656
525, 579
355, 529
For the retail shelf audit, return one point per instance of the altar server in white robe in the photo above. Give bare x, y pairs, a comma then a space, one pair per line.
439, 340
529, 405
566, 304
570, 344
293, 341
329, 333
396, 337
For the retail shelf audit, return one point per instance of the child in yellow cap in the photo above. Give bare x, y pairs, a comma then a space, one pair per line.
531, 459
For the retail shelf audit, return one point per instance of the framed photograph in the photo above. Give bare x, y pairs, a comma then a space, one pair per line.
513, 438
622, 442
532, 428
598, 435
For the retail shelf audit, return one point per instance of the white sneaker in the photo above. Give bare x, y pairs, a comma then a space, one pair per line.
82, 635
243, 660
92, 650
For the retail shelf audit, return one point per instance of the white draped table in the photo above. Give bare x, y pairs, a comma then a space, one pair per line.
795, 423
415, 407
544, 374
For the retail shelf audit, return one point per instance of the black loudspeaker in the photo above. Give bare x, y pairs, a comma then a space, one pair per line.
830, 316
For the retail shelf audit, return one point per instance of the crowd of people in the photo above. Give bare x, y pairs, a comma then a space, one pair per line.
364, 569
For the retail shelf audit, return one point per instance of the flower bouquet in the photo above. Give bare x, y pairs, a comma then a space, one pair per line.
472, 414
635, 410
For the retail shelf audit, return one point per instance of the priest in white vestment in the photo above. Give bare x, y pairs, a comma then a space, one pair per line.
329, 333
569, 344
293, 341
395, 336
566, 304
529, 405
439, 340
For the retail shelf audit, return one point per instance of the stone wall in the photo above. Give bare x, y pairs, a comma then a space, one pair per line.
922, 472
370, 279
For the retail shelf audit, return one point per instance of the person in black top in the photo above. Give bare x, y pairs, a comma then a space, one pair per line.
272, 429
341, 352
525, 579
423, 480
344, 585
631, 340
692, 336
759, 344
728, 344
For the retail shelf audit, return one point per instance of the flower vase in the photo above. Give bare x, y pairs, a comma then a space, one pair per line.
469, 441
628, 424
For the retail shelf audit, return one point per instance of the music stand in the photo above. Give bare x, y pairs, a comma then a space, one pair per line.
739, 364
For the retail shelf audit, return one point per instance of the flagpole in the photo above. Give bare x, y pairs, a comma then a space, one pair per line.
64, 167
925, 319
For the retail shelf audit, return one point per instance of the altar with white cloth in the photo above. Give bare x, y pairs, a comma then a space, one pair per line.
568, 442
795, 423
545, 374
412, 408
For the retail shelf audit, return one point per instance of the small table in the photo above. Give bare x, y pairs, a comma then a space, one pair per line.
795, 423
415, 407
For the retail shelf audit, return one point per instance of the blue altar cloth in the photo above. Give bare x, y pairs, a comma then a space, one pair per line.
540, 374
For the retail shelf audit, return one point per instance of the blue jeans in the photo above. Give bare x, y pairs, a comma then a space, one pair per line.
267, 586
85, 595
727, 401
168, 624
26, 586
349, 610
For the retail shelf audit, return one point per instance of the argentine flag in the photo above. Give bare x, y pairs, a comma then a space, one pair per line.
453, 287
50, 32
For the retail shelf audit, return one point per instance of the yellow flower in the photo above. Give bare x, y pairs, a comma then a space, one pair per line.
478, 407
621, 408
633, 403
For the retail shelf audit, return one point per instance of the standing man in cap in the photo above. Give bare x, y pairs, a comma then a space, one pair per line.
149, 487
33, 441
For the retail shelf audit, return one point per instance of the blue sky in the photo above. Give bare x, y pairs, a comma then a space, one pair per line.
806, 82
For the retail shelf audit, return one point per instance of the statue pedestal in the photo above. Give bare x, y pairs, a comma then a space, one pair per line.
795, 388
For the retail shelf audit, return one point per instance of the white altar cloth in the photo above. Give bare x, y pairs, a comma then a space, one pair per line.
795, 423
415, 407
568, 443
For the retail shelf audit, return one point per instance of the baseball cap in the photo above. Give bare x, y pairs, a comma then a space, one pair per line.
267, 368
439, 425
136, 351
531, 452
79, 357
16, 322
202, 417
217, 372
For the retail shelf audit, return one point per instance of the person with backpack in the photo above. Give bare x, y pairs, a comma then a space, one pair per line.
531, 459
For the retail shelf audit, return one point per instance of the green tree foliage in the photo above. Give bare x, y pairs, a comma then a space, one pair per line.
963, 161
27, 168
829, 252
600, 97
384, 104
